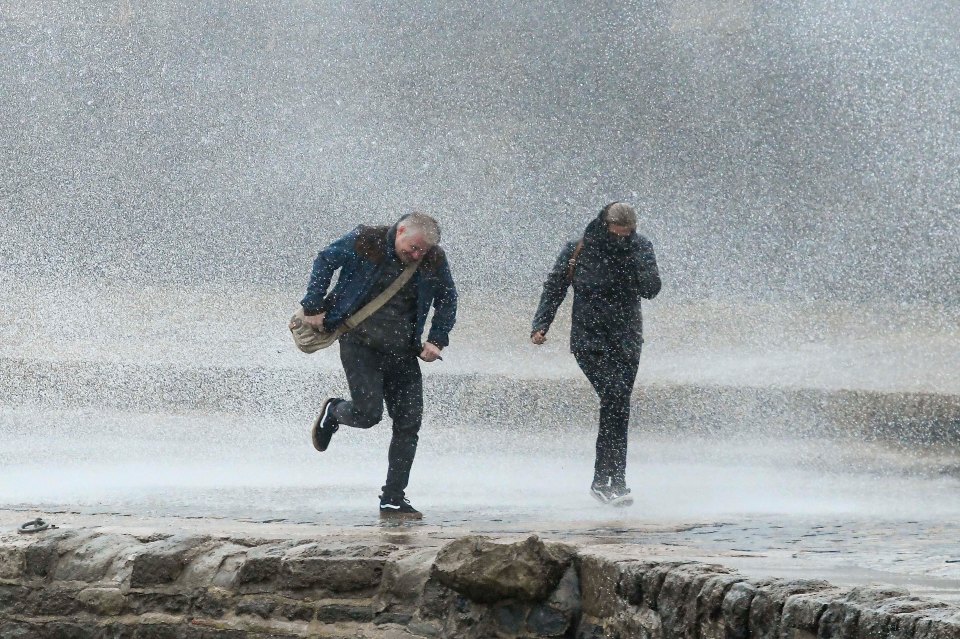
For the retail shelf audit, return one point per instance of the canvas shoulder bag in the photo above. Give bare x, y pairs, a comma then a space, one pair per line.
309, 339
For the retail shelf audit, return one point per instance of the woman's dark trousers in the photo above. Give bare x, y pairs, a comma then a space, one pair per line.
612, 373
376, 377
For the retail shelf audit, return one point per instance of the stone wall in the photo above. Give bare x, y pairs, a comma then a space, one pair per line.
81, 583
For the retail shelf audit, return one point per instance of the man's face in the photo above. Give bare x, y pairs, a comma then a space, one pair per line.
619, 231
410, 245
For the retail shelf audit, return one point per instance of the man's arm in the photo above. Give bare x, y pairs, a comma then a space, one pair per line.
326, 264
444, 307
647, 272
554, 291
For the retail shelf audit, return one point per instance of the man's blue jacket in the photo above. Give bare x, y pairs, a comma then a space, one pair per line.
360, 254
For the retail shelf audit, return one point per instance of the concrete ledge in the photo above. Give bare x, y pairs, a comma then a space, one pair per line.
90, 582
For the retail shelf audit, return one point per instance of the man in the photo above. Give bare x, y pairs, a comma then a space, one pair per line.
610, 269
380, 355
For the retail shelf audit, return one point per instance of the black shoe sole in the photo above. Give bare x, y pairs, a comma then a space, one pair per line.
321, 439
599, 497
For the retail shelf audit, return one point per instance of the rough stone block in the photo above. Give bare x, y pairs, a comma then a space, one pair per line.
12, 597
145, 602
767, 605
435, 601
607, 583
403, 581
598, 581
938, 625
40, 558
12, 560
652, 582
841, 617
392, 618
108, 602
544, 621
260, 606
709, 606
878, 624
896, 618
736, 610
643, 624
509, 618
486, 571
296, 611
677, 600
54, 600
911, 605
216, 566
838, 621
259, 565
908, 613
15, 630
801, 614
343, 610
161, 562
212, 603
630, 580
335, 574
95, 558
566, 597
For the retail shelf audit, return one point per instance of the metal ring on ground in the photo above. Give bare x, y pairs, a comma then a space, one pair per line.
33, 526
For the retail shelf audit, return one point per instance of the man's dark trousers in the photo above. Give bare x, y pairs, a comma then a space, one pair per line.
612, 373
376, 377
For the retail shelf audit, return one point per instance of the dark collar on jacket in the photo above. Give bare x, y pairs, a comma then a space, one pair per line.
374, 243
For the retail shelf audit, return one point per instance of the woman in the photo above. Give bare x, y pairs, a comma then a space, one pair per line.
611, 268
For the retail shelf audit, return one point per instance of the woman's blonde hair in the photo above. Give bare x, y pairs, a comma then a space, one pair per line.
621, 214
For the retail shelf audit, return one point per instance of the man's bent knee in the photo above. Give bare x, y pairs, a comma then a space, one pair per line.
360, 418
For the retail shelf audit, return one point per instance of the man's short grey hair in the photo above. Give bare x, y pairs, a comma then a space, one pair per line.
622, 214
422, 224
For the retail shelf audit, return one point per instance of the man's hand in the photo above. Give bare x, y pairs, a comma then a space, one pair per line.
538, 338
316, 321
430, 352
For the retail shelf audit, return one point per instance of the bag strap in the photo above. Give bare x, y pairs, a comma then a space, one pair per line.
374, 305
572, 263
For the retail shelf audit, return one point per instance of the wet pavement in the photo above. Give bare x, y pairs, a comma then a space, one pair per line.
844, 512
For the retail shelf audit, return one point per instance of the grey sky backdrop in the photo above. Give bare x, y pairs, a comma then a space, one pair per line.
776, 149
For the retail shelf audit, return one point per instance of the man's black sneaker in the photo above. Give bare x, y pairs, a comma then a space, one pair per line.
398, 508
620, 496
601, 492
326, 425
